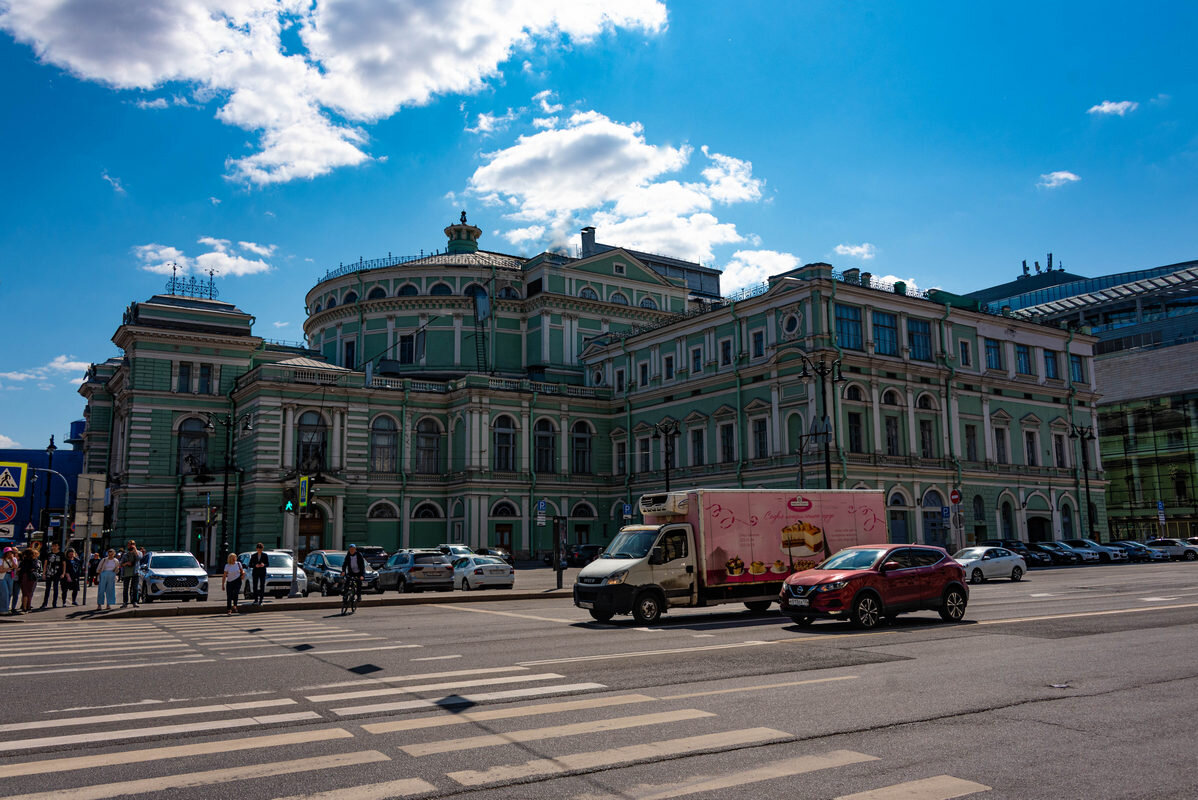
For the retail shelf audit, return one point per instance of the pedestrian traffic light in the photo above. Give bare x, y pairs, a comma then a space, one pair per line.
288, 506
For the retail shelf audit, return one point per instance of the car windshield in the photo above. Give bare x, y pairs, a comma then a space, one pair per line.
488, 560
853, 559
970, 552
431, 560
174, 562
631, 544
335, 559
279, 560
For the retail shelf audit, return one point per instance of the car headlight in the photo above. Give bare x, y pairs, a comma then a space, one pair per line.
616, 577
831, 587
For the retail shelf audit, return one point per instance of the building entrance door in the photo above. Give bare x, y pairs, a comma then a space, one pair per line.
311, 533
582, 533
198, 542
1039, 529
503, 536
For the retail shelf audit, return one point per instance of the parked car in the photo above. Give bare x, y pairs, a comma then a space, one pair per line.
1141, 552
455, 551
1192, 540
580, 555
983, 563
483, 572
172, 576
278, 574
1177, 549
1033, 558
415, 571
323, 570
866, 584
375, 556
1059, 553
1106, 555
497, 552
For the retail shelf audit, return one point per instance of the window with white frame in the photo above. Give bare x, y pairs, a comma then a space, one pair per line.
644, 371
642, 454
725, 352
1031, 447
428, 447
698, 455
1059, 451
696, 360
619, 380
384, 445
667, 368
727, 442
757, 340
1000, 445
965, 349
617, 268
761, 439
621, 458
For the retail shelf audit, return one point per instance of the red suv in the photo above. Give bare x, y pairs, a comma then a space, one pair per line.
869, 583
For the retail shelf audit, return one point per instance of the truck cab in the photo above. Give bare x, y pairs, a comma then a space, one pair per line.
645, 569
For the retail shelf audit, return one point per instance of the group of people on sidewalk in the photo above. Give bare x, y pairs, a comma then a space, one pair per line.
21, 571
105, 570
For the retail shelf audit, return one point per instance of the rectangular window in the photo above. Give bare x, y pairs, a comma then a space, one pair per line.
1058, 450
758, 338
966, 351
727, 443
1000, 445
205, 379
971, 442
644, 368
698, 447
885, 334
619, 380
1051, 368
848, 327
642, 454
893, 445
1030, 448
1077, 372
993, 354
621, 457
349, 353
761, 442
1023, 359
184, 378
856, 439
725, 352
668, 367
927, 441
696, 360
618, 269
407, 349
919, 339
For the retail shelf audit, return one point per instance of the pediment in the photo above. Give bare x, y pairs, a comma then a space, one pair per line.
724, 411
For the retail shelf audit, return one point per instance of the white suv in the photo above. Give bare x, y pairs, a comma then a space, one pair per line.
1176, 548
172, 576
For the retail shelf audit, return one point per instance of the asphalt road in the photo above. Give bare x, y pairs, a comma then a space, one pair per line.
1072, 683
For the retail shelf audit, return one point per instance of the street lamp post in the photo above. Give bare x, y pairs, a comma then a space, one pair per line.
229, 422
45, 520
824, 369
1085, 433
667, 429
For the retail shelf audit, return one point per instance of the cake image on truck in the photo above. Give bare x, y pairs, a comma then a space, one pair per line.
704, 547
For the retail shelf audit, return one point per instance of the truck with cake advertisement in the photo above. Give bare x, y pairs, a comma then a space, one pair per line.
704, 547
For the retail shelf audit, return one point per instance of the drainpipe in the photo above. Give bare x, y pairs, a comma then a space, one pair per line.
361, 325
403, 462
236, 512
494, 310
828, 317
948, 407
627, 422
740, 406
178, 507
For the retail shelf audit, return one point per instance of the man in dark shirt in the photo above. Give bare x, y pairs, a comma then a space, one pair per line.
53, 569
259, 561
72, 566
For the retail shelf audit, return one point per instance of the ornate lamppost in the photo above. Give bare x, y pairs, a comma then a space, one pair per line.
666, 429
1085, 434
228, 422
828, 372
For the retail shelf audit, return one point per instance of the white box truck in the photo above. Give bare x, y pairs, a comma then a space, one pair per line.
704, 547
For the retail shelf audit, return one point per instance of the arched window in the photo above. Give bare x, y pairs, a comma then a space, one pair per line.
384, 445
618, 299
350, 297
1008, 521
440, 290
582, 511
853, 393
332, 303
545, 446
935, 529
382, 510
897, 499
979, 509
427, 511
193, 446
317, 311
474, 290
890, 398
504, 509
924, 402
1066, 522
408, 290
377, 293
428, 447
313, 438
588, 293
580, 441
507, 293
504, 433
649, 303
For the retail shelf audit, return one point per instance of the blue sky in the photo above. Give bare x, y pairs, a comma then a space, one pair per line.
273, 139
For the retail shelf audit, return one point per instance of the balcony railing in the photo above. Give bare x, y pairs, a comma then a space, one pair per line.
333, 378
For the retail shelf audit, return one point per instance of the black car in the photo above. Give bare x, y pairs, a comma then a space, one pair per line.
375, 556
580, 555
497, 553
1059, 555
1033, 558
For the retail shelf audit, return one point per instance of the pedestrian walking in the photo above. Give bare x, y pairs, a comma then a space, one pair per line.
129, 561
106, 571
93, 569
72, 568
8, 566
15, 596
27, 574
53, 570
259, 561
230, 581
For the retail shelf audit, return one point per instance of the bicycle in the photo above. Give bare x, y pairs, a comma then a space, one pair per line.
350, 591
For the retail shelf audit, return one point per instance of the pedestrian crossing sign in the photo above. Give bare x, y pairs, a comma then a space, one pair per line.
12, 478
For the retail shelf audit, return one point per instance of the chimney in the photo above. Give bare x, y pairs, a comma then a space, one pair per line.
588, 241
867, 279
852, 275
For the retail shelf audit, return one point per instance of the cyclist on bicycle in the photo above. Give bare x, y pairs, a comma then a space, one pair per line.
353, 569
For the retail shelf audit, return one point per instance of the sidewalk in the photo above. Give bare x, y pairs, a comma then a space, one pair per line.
533, 582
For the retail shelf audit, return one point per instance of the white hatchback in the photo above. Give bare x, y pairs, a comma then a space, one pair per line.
982, 563
482, 572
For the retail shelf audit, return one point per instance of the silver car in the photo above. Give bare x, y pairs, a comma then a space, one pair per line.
172, 576
278, 574
1105, 554
415, 571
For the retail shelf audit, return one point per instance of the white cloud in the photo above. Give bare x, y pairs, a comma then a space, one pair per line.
157, 102
115, 183
8, 443
491, 123
545, 122
65, 364
58, 367
912, 288
1107, 108
863, 251
214, 200
221, 256
17, 376
598, 171
281, 324
345, 64
752, 267
542, 99
1052, 180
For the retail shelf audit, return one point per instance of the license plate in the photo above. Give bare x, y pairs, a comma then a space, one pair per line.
800, 602
583, 604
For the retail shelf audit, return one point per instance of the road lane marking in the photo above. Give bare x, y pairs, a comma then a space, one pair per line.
1043, 594
194, 780
419, 676
757, 688
726, 740
436, 658
638, 653
779, 769
42, 671
372, 791
432, 687
506, 614
173, 751
452, 701
553, 732
1086, 614
91, 737
157, 712
941, 787
463, 717
323, 652
121, 647
1157, 599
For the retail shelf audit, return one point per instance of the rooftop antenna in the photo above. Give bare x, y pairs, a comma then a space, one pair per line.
1025, 272
1049, 262
1037, 267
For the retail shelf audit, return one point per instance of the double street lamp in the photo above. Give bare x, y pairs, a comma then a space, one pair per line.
828, 372
228, 422
666, 429
1085, 435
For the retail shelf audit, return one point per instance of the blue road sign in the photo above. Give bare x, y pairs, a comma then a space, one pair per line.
542, 506
12, 478
945, 513
628, 509
8, 510
303, 491
1160, 505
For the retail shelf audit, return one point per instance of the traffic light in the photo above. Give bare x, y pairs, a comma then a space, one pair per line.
288, 506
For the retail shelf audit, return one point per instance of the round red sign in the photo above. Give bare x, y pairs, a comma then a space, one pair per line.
955, 496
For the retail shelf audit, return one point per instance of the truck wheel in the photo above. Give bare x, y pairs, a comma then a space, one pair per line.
601, 616
758, 606
647, 608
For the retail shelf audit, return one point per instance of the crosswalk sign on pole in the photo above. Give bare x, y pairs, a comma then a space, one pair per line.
303, 491
12, 478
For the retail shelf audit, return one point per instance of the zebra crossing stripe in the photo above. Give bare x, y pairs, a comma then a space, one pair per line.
468, 699
156, 713
941, 787
162, 730
432, 687
463, 717
374, 791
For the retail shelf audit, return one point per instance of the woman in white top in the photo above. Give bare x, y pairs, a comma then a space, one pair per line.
8, 566
230, 581
106, 591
